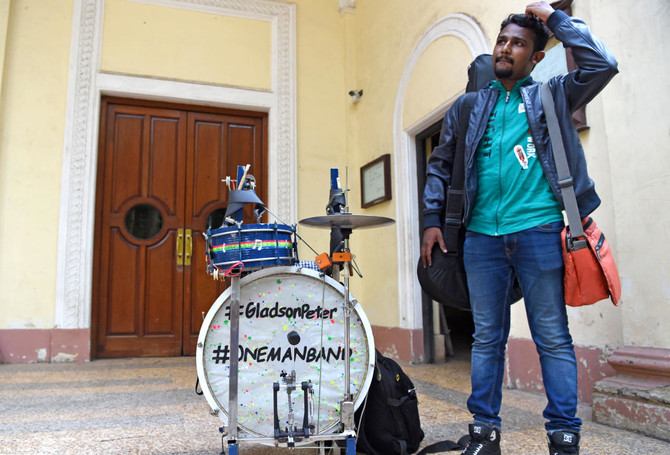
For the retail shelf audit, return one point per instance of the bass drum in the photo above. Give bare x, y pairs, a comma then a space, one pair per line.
291, 319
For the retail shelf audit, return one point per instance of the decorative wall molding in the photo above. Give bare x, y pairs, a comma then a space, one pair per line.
87, 84
407, 213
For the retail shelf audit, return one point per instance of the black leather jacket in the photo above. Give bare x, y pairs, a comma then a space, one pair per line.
571, 91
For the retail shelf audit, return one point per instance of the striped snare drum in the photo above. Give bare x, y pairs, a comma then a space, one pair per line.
254, 245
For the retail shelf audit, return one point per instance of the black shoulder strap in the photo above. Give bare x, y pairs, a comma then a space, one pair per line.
453, 213
445, 446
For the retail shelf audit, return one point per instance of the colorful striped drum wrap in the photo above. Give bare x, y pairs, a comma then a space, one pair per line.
254, 245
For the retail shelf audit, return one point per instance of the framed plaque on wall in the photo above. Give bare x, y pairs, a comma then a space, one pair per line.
376, 181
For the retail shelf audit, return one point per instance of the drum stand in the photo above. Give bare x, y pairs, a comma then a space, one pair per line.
234, 363
346, 222
292, 434
347, 405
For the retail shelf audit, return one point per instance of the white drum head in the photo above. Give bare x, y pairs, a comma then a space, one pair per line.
278, 304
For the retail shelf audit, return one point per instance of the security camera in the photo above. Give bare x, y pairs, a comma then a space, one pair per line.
355, 95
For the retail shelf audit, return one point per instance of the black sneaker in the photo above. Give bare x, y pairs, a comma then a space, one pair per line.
484, 440
563, 443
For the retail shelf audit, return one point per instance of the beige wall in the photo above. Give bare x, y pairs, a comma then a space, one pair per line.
322, 103
636, 125
32, 118
155, 41
337, 52
4, 22
437, 76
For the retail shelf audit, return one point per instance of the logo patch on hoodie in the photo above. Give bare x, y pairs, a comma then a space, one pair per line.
520, 154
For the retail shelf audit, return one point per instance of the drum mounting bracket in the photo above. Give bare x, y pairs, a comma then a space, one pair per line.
347, 414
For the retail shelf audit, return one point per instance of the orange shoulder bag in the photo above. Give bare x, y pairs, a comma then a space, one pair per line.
590, 272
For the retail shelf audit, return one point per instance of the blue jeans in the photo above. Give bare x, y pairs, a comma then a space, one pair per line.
534, 255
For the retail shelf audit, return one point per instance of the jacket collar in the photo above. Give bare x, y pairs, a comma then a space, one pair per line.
523, 82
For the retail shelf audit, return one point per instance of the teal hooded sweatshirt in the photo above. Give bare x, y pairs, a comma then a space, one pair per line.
512, 192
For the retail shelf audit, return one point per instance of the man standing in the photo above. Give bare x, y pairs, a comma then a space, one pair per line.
513, 214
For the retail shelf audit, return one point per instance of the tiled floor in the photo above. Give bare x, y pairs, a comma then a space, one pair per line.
148, 406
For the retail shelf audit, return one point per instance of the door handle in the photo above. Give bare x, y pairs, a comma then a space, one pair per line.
180, 246
189, 247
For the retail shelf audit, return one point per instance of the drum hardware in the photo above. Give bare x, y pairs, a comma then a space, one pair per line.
232, 184
346, 222
309, 308
237, 199
235, 325
234, 359
292, 434
323, 261
246, 311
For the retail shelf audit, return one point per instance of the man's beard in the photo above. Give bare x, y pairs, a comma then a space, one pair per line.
503, 73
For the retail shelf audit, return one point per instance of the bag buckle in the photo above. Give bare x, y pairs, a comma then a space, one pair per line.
578, 244
452, 222
564, 183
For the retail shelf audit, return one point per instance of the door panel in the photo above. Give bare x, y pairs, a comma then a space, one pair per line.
165, 165
217, 144
122, 317
125, 156
139, 287
160, 319
160, 178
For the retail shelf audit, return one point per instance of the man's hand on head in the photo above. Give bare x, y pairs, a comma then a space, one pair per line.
541, 10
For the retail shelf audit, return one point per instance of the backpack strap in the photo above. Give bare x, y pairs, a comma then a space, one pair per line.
453, 212
446, 445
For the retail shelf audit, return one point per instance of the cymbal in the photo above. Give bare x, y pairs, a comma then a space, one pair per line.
347, 221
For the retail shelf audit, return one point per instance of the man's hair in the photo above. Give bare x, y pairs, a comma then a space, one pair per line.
533, 23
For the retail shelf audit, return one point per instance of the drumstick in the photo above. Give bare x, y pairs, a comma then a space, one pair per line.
244, 176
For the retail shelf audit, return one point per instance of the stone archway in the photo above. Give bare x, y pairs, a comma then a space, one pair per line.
409, 292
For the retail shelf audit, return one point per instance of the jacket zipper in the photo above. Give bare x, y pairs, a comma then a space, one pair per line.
500, 162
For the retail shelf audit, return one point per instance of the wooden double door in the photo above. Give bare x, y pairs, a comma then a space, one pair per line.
159, 186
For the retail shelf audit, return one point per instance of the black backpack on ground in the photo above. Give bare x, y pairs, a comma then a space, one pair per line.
388, 422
